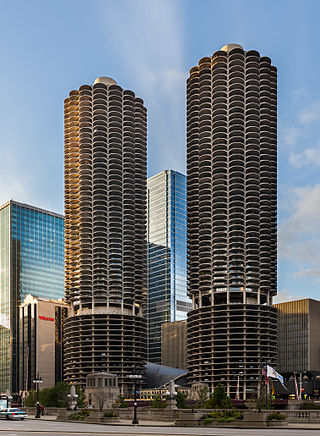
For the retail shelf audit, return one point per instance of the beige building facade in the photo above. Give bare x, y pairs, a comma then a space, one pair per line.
101, 390
299, 335
41, 346
174, 344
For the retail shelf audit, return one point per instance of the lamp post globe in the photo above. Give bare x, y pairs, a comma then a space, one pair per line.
135, 377
37, 382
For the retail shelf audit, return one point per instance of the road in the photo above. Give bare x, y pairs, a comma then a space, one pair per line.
38, 428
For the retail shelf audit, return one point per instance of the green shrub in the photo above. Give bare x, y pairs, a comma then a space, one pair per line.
81, 396
31, 399
223, 416
79, 416
276, 416
119, 402
181, 401
110, 414
309, 405
219, 399
158, 403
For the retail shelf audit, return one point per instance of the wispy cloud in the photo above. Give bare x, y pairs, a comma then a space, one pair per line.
311, 113
299, 239
288, 136
309, 156
284, 296
149, 43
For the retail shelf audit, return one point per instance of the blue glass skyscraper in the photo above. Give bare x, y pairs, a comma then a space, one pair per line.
31, 262
167, 253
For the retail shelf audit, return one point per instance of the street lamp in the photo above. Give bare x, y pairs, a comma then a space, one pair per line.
9, 398
103, 365
135, 377
37, 381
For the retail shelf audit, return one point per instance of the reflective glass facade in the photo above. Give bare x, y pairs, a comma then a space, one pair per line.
167, 251
31, 262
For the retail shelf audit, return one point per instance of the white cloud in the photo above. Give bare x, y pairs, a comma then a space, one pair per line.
284, 296
306, 209
288, 136
310, 114
309, 156
299, 234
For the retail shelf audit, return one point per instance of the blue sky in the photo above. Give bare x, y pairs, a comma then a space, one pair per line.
50, 47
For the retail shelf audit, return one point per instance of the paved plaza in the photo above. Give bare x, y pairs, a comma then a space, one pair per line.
33, 427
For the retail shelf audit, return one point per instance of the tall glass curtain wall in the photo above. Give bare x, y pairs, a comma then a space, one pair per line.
4, 299
34, 241
167, 295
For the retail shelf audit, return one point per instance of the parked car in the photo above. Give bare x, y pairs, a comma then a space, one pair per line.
12, 413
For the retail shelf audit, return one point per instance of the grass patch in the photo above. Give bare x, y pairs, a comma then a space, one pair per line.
79, 416
223, 416
276, 416
110, 415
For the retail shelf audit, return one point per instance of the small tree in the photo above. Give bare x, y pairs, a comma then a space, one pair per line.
203, 393
101, 397
30, 401
181, 400
81, 396
219, 399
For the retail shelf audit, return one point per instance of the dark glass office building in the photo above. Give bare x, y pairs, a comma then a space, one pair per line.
31, 262
167, 252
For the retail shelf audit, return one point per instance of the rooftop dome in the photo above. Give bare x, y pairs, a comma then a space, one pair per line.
105, 80
229, 47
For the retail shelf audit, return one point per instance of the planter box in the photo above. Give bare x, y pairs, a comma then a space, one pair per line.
188, 419
275, 423
110, 420
236, 423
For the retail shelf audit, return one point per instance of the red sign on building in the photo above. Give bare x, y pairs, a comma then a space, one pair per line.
45, 318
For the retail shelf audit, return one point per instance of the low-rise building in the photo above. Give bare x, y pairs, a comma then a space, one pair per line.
299, 344
101, 390
299, 338
41, 344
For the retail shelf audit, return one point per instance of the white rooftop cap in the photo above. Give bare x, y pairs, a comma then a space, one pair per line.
230, 47
105, 80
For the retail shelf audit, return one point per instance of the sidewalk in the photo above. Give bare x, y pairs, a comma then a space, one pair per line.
128, 422
120, 422
303, 426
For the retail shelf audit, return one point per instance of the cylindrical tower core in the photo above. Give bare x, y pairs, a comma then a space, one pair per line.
232, 223
105, 231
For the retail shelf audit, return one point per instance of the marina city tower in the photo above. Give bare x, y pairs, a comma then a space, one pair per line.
232, 227
105, 232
